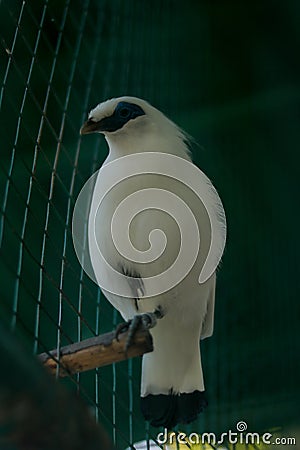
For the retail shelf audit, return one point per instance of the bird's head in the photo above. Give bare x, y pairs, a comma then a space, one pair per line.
132, 124
117, 116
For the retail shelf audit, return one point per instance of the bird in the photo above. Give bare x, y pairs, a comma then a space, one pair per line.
172, 384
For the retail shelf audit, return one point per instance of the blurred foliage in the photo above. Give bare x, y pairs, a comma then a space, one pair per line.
227, 73
35, 412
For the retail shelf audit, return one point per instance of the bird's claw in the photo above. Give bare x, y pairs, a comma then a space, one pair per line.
148, 320
121, 328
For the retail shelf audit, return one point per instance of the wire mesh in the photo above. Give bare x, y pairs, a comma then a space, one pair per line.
232, 83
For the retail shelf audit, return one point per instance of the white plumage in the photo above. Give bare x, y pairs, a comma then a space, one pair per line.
172, 383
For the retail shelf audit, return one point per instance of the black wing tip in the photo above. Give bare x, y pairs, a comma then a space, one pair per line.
169, 410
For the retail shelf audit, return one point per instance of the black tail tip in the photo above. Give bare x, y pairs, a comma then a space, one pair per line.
169, 410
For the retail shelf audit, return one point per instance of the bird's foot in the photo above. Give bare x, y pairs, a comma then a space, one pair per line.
147, 320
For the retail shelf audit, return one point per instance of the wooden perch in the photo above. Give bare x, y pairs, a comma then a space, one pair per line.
96, 352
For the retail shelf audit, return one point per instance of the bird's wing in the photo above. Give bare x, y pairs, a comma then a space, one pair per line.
208, 322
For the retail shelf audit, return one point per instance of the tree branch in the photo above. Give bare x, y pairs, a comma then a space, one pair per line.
96, 352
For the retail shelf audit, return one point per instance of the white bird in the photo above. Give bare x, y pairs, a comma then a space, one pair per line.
172, 386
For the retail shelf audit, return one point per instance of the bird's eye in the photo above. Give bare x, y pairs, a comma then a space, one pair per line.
124, 112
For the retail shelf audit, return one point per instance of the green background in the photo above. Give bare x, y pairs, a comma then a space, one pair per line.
228, 74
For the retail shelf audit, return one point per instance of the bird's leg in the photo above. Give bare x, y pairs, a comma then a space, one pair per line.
148, 320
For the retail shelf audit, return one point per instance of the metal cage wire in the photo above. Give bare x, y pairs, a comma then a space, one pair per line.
49, 180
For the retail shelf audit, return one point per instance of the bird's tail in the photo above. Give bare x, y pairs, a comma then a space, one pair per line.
167, 410
172, 381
